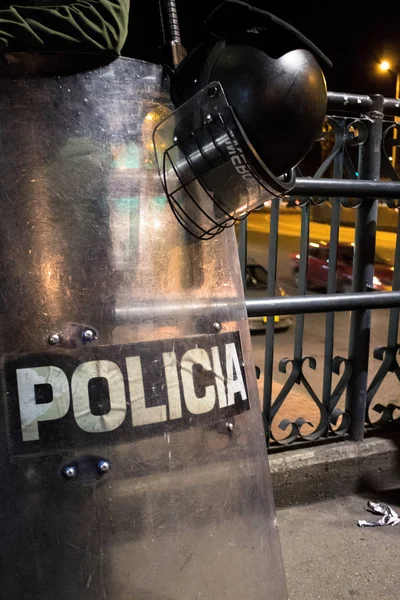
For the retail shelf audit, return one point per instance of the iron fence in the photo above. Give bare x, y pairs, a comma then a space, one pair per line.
361, 132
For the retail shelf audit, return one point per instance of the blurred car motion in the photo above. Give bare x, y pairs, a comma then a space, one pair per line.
256, 287
318, 266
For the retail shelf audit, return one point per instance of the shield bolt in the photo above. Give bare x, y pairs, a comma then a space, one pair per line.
70, 471
88, 335
54, 339
104, 466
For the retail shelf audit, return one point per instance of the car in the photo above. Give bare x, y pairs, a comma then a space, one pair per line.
256, 287
318, 267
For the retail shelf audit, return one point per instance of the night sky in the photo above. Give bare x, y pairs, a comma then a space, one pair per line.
354, 37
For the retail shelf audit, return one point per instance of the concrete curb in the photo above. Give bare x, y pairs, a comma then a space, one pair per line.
310, 474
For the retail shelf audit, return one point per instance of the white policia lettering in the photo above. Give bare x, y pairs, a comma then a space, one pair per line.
218, 391
238, 159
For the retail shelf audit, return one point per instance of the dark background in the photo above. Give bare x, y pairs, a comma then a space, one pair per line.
354, 35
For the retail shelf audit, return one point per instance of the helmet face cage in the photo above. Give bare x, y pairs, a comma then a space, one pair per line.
211, 174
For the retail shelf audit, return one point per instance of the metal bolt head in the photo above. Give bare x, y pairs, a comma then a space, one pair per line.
213, 91
70, 472
230, 427
217, 326
54, 339
88, 335
104, 466
209, 118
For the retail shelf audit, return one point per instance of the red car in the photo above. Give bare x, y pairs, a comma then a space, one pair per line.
318, 266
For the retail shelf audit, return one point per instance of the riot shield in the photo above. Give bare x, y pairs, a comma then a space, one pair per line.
133, 457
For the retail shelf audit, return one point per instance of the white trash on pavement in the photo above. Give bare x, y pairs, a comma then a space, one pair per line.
390, 516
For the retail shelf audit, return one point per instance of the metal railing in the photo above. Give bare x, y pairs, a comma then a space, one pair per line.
361, 128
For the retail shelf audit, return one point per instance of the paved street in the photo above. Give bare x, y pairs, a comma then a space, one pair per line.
328, 557
298, 402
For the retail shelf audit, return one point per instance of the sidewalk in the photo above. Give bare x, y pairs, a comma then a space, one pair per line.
328, 557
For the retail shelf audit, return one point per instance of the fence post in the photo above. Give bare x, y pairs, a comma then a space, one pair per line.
270, 332
363, 272
331, 283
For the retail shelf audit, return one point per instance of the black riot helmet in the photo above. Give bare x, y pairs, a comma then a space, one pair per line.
252, 99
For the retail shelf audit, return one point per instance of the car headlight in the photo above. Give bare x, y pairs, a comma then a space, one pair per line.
281, 291
376, 281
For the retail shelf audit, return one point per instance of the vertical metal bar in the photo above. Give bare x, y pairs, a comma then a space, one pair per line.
363, 272
270, 333
331, 285
302, 288
395, 312
396, 120
243, 250
360, 159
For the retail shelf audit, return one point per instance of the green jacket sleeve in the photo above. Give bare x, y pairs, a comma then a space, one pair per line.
85, 25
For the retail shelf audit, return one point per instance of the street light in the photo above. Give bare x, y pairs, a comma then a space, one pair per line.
386, 66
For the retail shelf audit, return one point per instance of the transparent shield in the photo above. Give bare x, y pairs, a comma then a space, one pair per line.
111, 355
